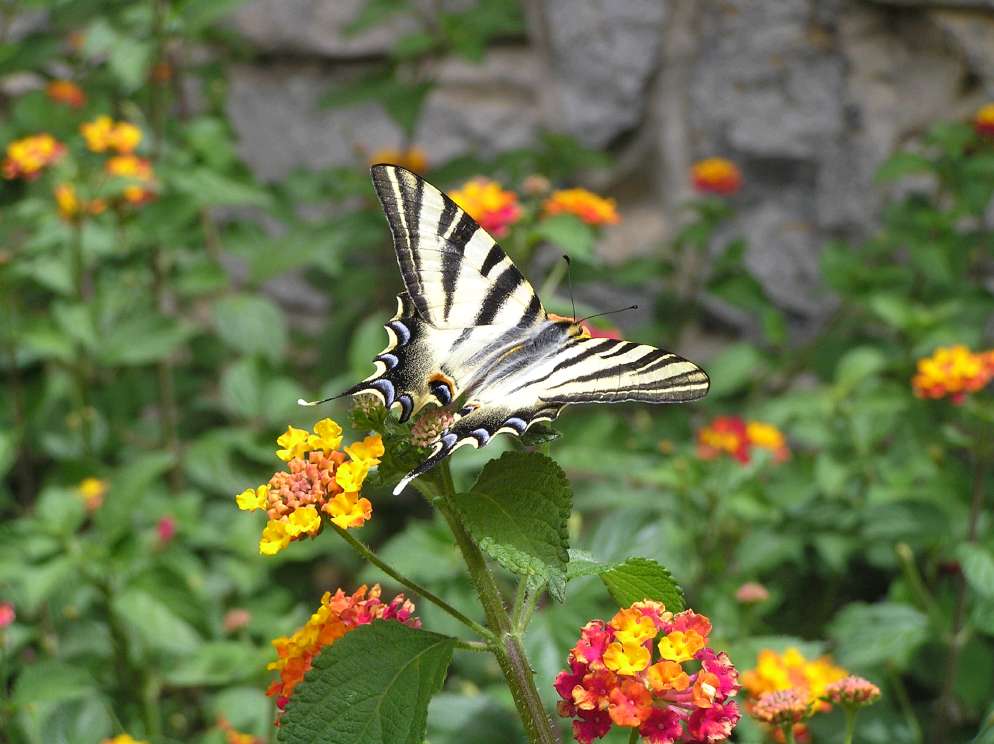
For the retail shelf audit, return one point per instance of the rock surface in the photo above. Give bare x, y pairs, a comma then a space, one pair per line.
806, 96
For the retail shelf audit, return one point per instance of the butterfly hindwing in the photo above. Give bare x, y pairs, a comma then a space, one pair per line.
456, 274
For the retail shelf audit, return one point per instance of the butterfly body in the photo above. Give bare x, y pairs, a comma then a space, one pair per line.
470, 334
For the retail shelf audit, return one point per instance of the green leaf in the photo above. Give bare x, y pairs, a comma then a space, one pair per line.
155, 624
51, 681
869, 635
217, 663
733, 369
642, 578
517, 512
141, 340
569, 233
198, 14
903, 164
857, 365
978, 568
208, 188
373, 685
251, 325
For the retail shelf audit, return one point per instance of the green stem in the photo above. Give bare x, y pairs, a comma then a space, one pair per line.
555, 277
957, 635
788, 733
390, 571
509, 651
519, 602
473, 646
907, 709
634, 736
81, 364
850, 724
906, 557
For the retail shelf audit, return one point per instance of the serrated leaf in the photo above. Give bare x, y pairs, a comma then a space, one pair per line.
373, 685
517, 512
642, 578
978, 568
868, 635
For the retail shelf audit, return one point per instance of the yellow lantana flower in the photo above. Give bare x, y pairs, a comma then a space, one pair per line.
631, 626
253, 498
294, 443
369, 450
626, 658
274, 537
348, 510
303, 519
327, 436
351, 475
680, 646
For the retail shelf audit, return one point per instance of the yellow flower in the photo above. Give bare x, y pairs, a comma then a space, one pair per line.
92, 491
767, 436
124, 739
327, 436
632, 626
67, 201
303, 520
274, 537
626, 658
103, 134
588, 206
953, 371
983, 120
413, 158
716, 176
667, 675
28, 156
775, 672
294, 443
348, 510
369, 450
253, 498
680, 646
351, 475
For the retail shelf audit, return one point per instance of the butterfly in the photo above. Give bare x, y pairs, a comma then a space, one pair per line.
471, 334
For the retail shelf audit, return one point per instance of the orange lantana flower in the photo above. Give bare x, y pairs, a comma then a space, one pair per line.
494, 208
953, 371
983, 120
716, 176
67, 92
27, 157
588, 206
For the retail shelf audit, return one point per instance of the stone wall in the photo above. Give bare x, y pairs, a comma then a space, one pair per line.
807, 96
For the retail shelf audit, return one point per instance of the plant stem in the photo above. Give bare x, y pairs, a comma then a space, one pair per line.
634, 736
519, 602
788, 733
947, 699
81, 364
438, 487
904, 703
473, 646
850, 724
370, 556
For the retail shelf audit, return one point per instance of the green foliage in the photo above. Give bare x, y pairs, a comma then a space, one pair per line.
517, 512
373, 686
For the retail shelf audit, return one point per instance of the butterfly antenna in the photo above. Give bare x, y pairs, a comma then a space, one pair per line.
569, 280
308, 403
609, 312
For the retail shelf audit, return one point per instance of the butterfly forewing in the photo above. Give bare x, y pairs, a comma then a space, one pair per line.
470, 333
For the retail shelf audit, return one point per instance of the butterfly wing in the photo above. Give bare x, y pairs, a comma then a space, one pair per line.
455, 273
585, 370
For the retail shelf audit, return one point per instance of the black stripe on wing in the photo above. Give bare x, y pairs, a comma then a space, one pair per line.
602, 372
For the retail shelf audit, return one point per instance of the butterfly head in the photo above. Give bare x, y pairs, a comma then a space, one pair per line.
569, 326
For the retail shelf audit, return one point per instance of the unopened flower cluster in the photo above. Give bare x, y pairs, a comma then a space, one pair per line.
953, 372
630, 672
734, 436
320, 479
338, 614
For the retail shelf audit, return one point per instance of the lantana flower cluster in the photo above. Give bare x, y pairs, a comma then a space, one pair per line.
983, 120
788, 687
734, 436
320, 479
28, 156
953, 372
496, 209
66, 92
716, 176
338, 614
650, 670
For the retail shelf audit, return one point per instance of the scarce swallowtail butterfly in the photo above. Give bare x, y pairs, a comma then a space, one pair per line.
470, 334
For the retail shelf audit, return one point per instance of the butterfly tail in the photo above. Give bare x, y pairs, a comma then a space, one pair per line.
442, 449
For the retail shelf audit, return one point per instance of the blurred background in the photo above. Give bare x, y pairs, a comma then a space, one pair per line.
798, 195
